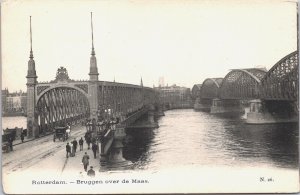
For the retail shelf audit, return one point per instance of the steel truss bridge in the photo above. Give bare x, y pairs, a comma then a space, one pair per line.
280, 83
63, 100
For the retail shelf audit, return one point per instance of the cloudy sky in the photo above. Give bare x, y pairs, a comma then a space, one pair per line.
183, 41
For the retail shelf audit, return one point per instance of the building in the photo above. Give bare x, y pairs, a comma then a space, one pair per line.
14, 103
175, 97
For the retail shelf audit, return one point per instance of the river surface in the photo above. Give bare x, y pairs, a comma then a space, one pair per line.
187, 138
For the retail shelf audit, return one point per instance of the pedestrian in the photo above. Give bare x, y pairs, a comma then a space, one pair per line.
85, 161
10, 141
68, 149
91, 172
68, 132
88, 141
22, 137
72, 150
75, 143
94, 148
81, 144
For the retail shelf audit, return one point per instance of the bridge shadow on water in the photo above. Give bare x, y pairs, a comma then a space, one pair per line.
137, 143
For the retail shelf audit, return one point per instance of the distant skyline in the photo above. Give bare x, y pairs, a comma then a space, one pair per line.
183, 41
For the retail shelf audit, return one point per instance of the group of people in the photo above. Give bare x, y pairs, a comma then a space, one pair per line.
72, 147
92, 141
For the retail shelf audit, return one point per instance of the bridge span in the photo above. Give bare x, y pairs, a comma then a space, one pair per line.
272, 96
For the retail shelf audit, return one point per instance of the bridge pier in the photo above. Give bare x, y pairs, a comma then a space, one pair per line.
262, 113
116, 152
151, 123
159, 111
225, 106
202, 105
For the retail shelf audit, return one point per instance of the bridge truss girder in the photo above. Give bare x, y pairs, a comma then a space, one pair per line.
61, 105
241, 84
282, 80
210, 88
123, 99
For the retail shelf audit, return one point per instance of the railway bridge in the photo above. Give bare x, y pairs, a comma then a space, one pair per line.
66, 101
271, 96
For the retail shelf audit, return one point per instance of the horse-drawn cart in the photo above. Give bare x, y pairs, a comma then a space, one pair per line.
60, 133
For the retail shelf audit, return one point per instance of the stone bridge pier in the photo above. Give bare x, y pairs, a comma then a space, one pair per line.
203, 104
226, 106
116, 151
263, 112
112, 142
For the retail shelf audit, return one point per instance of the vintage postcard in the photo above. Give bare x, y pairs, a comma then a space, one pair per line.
138, 96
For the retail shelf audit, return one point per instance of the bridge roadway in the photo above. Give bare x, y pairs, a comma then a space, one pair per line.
44, 154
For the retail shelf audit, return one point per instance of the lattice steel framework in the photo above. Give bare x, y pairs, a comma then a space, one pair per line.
210, 88
124, 98
61, 105
282, 80
242, 84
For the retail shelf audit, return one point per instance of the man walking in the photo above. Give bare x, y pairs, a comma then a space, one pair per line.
94, 148
22, 137
87, 137
81, 144
75, 143
85, 161
10, 142
88, 141
68, 149
91, 172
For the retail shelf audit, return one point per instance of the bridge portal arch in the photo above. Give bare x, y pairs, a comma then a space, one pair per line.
60, 105
242, 84
210, 88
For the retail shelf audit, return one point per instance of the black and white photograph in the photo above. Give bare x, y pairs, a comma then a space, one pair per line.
159, 96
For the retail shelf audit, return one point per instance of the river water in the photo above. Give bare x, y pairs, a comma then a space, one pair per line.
187, 138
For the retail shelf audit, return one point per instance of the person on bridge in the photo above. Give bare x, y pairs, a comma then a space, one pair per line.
72, 150
68, 149
75, 143
95, 148
22, 137
88, 139
68, 131
85, 161
81, 144
91, 172
10, 142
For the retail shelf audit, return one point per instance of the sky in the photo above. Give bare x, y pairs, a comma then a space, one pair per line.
184, 41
